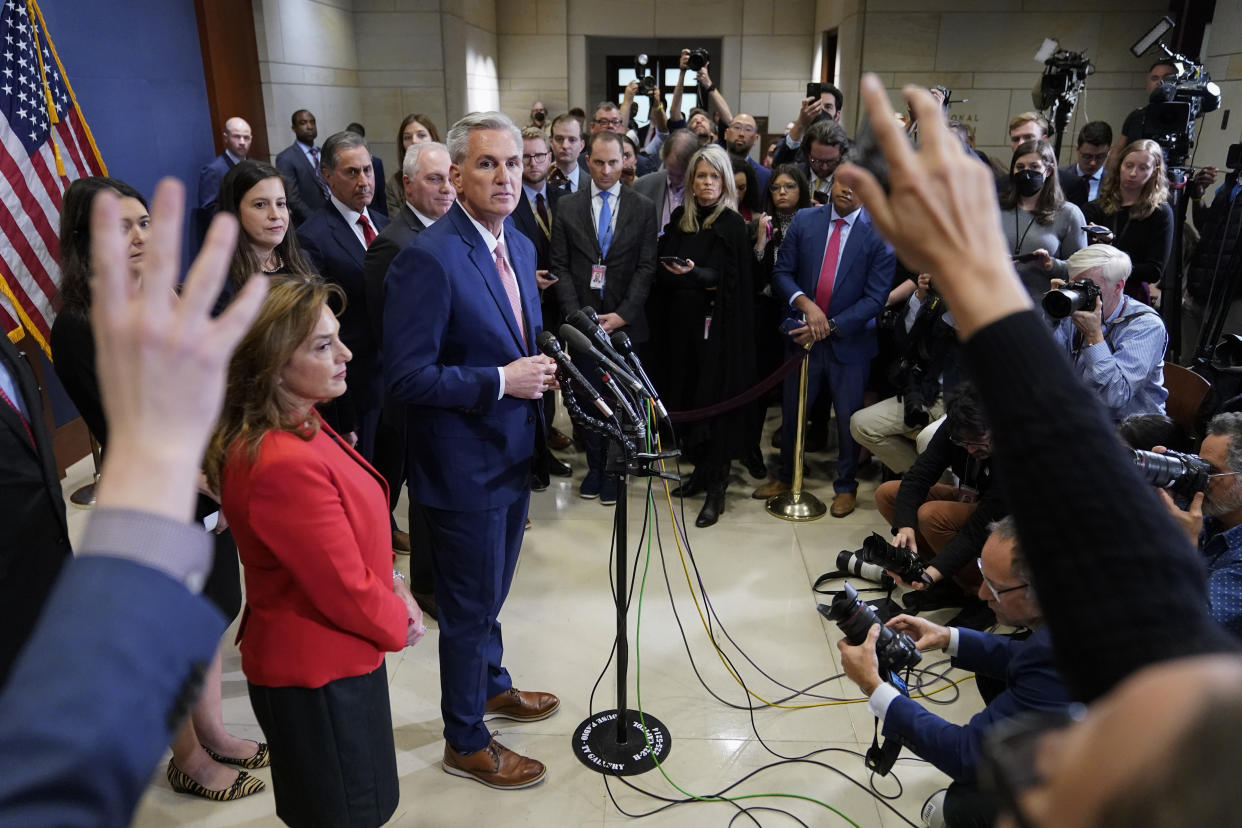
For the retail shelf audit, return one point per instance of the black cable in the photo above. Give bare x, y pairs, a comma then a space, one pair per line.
765, 808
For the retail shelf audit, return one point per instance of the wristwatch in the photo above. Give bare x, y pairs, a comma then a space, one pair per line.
832, 327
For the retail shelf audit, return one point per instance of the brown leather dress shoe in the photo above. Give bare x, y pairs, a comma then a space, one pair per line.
770, 489
558, 440
842, 504
495, 766
521, 706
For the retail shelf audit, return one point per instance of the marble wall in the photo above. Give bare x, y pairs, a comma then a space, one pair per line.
376, 60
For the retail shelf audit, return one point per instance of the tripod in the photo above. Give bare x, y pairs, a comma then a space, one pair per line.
621, 741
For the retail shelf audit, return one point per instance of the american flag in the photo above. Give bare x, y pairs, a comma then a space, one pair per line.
44, 145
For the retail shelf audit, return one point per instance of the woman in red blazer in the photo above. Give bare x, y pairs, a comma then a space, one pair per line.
323, 603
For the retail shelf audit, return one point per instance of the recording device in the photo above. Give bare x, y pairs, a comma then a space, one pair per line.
1096, 230
1176, 104
587, 323
855, 618
582, 348
646, 80
899, 560
860, 565
1182, 474
1064, 79
924, 351
676, 260
698, 59
1024, 258
622, 345
547, 344
1078, 295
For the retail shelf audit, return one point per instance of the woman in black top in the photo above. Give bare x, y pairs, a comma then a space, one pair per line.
788, 192
201, 747
702, 322
1133, 203
255, 193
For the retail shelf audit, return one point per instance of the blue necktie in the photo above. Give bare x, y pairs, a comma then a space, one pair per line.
605, 223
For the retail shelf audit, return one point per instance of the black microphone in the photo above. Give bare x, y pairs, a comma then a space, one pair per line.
622, 345
581, 346
547, 343
604, 353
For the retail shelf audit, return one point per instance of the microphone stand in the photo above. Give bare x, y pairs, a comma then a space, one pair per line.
621, 741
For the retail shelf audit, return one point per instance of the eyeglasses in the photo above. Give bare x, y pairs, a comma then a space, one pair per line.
535, 156
612, 122
970, 444
1010, 748
784, 188
997, 593
747, 128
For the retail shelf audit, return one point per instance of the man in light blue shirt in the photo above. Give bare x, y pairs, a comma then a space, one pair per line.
1117, 348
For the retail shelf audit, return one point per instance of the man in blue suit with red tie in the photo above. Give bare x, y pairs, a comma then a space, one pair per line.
460, 320
835, 272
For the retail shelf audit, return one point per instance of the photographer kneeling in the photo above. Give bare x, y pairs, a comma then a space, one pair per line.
1026, 667
1214, 520
1117, 347
948, 524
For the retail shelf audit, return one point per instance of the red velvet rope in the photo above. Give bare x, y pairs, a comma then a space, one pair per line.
745, 398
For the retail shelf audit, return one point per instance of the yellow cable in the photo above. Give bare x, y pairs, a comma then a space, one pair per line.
720, 653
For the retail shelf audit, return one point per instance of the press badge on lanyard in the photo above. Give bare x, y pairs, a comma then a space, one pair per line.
598, 274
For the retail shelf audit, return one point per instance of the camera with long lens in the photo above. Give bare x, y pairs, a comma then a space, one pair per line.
1182, 474
1078, 295
698, 59
859, 564
646, 80
902, 562
855, 618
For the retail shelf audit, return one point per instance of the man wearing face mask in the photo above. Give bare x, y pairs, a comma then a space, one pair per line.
1213, 519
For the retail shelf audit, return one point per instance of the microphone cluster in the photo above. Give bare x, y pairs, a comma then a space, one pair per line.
612, 359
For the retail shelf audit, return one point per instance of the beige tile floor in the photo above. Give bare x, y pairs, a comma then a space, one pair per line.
559, 626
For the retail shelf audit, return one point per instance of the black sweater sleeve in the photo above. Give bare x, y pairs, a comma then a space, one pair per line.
1120, 586
920, 477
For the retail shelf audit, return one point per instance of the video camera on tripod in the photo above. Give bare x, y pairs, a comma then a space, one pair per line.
1064, 79
1176, 104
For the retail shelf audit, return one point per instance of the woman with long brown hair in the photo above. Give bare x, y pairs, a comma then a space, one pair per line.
255, 192
1133, 203
1042, 228
416, 128
202, 747
323, 602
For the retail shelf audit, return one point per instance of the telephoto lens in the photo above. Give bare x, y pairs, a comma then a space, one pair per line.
895, 651
857, 564
1182, 474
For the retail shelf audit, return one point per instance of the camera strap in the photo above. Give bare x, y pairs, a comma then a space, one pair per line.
881, 756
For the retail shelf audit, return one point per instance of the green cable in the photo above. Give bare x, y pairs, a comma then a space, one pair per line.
638, 674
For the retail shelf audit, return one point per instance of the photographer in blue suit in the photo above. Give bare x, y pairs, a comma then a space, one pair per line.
79, 736
1031, 682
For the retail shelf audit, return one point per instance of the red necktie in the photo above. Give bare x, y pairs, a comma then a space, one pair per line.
368, 232
19, 414
828, 271
511, 287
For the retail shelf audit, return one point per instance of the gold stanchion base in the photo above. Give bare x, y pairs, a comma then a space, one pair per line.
84, 496
796, 506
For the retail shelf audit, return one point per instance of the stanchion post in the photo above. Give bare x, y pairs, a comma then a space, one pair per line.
795, 504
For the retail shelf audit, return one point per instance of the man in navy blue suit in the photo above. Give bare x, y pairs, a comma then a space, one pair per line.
237, 139
336, 239
1031, 681
834, 271
460, 319
300, 163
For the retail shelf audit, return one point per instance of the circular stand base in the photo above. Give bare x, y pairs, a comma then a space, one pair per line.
800, 506
84, 496
595, 743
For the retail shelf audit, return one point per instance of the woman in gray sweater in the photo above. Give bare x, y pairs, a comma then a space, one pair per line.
1042, 228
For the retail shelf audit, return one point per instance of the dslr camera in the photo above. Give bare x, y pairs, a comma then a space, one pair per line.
1078, 295
646, 80
899, 560
860, 563
1182, 474
895, 651
698, 59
